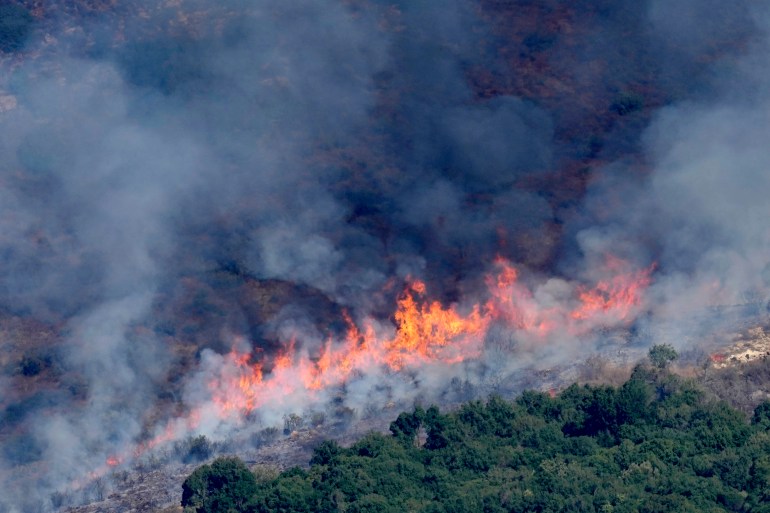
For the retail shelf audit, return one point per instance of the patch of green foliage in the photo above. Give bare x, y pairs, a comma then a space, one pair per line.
654, 444
661, 355
15, 26
225, 485
197, 449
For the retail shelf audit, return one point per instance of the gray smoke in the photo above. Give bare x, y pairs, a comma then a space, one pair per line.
698, 213
166, 175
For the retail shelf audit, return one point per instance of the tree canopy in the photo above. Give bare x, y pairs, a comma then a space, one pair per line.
661, 355
654, 444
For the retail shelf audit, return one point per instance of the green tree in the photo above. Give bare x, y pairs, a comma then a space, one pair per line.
762, 414
407, 425
325, 453
592, 449
662, 354
199, 449
224, 486
633, 398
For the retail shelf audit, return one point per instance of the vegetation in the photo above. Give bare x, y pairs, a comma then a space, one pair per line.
654, 444
15, 26
198, 449
225, 485
662, 354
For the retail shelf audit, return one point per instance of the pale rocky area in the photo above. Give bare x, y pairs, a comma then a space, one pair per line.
752, 345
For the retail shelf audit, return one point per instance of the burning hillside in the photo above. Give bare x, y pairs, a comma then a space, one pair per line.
214, 215
425, 333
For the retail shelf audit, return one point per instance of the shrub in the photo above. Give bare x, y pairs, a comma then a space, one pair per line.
225, 485
199, 450
292, 423
662, 354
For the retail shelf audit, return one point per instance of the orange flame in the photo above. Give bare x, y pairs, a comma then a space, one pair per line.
513, 304
431, 332
618, 296
424, 332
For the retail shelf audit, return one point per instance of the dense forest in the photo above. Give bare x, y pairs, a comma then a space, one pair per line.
658, 443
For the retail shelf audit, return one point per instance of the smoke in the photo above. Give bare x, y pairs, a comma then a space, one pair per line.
697, 212
205, 181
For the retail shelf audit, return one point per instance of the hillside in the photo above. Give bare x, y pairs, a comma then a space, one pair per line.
654, 444
223, 219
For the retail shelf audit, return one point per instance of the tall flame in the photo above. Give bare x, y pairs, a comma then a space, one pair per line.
428, 332
424, 332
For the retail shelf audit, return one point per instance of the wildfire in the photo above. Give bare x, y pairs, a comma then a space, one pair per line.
618, 296
427, 332
424, 332
513, 304
431, 332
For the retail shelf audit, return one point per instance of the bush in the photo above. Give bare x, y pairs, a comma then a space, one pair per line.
225, 485
762, 414
199, 450
15, 26
292, 423
266, 436
661, 355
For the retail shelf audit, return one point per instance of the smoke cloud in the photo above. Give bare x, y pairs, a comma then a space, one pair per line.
185, 183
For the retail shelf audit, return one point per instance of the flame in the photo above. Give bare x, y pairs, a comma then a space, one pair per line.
174, 430
430, 332
618, 296
514, 304
424, 332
